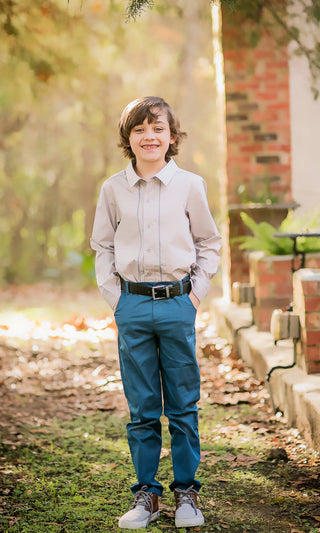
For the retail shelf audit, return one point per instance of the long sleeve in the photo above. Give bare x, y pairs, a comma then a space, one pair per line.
206, 238
102, 241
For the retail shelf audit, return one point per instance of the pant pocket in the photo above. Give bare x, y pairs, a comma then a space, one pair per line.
120, 302
189, 302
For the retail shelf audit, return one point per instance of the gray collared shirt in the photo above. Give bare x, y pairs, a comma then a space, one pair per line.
159, 229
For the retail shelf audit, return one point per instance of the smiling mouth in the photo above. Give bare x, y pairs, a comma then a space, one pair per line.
149, 146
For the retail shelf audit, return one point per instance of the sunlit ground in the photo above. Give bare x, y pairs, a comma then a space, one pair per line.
46, 312
17, 325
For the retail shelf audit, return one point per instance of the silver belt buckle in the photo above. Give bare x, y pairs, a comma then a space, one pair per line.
165, 287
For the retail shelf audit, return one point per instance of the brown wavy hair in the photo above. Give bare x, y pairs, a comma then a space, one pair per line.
148, 107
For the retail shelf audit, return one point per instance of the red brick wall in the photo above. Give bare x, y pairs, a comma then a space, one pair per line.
272, 279
258, 122
306, 294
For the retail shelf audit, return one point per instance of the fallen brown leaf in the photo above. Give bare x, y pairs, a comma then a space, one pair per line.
247, 459
228, 457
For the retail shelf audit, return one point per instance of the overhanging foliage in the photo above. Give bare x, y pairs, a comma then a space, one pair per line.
284, 13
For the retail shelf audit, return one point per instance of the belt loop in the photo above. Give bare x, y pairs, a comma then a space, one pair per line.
127, 287
181, 287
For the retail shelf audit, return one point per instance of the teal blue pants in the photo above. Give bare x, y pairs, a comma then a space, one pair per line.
160, 373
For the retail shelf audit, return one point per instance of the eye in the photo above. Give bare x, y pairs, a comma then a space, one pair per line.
138, 130
158, 129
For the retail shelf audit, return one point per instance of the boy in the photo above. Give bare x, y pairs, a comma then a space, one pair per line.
157, 247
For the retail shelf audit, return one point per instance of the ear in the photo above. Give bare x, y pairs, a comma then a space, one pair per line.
173, 139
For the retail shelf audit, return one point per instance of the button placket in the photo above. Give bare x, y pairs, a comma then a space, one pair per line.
150, 220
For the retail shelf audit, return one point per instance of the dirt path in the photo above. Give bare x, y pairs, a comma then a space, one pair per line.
58, 363
55, 362
60, 368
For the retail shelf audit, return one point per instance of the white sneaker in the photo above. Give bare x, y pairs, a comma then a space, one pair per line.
187, 512
144, 510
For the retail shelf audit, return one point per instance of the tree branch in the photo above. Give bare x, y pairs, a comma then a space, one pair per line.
308, 52
135, 7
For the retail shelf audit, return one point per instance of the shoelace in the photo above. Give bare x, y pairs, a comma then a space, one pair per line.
184, 496
143, 498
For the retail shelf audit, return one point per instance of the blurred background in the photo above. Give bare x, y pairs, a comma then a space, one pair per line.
67, 69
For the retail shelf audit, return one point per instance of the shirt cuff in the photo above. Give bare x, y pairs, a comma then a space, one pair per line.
111, 298
200, 287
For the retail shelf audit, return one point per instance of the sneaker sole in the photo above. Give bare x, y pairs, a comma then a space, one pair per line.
188, 522
137, 525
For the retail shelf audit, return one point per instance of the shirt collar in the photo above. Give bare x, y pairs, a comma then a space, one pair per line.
164, 175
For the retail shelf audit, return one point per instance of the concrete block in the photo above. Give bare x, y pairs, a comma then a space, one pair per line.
294, 392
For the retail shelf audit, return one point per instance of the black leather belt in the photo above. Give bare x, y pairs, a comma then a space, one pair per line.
158, 292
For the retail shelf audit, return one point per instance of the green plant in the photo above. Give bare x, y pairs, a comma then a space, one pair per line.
264, 239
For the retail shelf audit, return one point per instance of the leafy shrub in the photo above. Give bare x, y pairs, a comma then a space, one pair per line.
264, 239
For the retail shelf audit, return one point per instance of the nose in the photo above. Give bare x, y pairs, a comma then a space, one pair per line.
149, 133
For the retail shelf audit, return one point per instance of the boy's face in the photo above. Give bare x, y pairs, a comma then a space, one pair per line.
150, 141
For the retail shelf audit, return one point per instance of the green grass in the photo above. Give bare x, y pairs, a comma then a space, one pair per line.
74, 477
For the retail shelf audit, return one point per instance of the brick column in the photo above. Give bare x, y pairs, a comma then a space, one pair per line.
258, 123
306, 297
